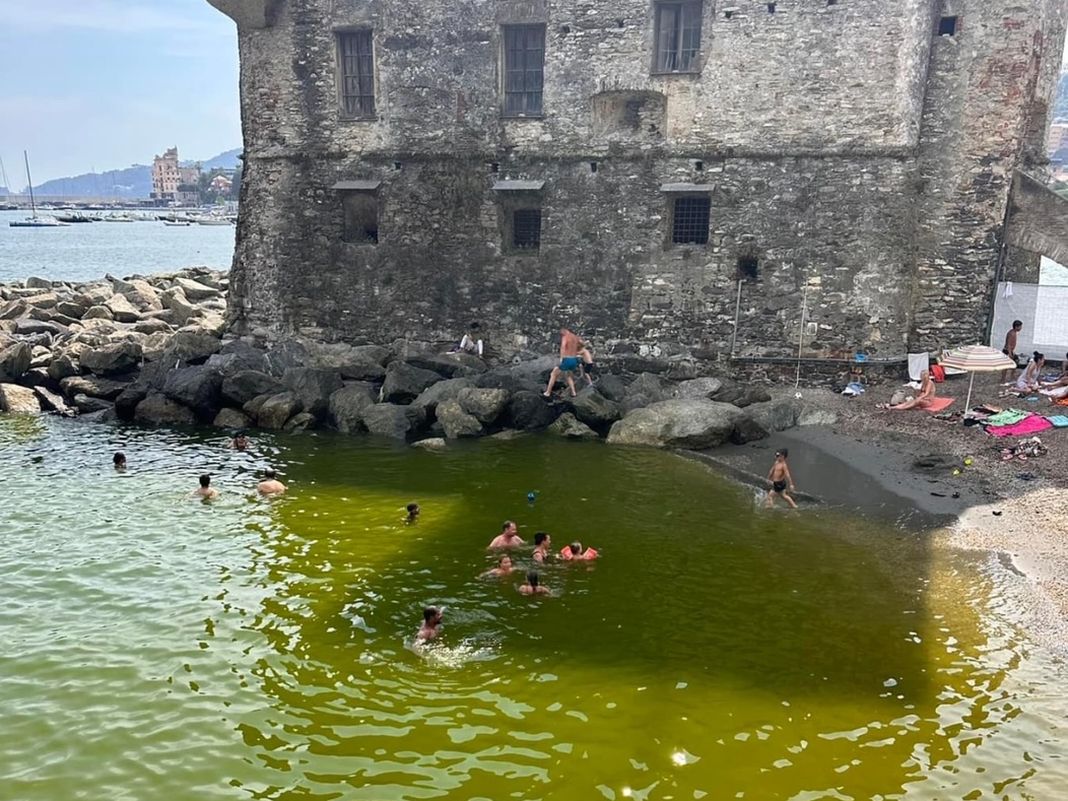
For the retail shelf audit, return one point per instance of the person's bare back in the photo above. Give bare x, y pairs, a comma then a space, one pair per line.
270, 484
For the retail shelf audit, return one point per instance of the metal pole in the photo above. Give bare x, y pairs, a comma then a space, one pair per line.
801, 336
737, 312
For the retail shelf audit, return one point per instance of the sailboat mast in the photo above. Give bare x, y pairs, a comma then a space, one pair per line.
3, 175
33, 205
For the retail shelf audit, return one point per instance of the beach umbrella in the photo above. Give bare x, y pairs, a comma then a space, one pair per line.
976, 359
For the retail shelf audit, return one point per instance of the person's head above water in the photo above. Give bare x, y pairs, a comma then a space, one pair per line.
269, 475
432, 616
505, 563
576, 547
509, 528
119, 459
413, 509
205, 481
532, 578
540, 537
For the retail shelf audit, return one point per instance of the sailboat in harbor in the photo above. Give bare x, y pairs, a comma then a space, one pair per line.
6, 206
34, 221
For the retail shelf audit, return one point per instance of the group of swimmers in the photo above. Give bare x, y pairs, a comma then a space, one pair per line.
508, 540
269, 485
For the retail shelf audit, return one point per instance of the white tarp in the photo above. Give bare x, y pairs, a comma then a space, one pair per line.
1044, 313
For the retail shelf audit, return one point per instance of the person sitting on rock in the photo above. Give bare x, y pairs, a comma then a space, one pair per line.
270, 484
508, 538
575, 553
206, 491
470, 341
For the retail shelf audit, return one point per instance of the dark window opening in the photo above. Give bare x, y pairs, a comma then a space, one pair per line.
565, 29
620, 23
494, 166
397, 165
526, 229
748, 268
678, 36
524, 69
771, 8
361, 217
357, 72
689, 222
699, 165
728, 14
593, 166
947, 26
832, 2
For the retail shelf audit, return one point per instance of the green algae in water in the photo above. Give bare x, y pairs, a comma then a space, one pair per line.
162, 647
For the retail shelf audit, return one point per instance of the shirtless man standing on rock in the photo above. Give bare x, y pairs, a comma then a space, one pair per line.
570, 345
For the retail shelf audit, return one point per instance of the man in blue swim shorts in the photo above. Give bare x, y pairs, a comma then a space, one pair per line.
570, 343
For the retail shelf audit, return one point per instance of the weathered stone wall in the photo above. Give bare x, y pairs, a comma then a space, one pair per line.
843, 151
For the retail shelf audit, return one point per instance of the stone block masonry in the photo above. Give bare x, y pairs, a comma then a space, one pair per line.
624, 166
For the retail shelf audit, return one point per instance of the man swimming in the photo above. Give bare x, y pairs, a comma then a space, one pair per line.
780, 477
239, 442
575, 553
569, 362
533, 585
503, 568
413, 513
119, 461
542, 543
206, 491
508, 538
270, 484
431, 628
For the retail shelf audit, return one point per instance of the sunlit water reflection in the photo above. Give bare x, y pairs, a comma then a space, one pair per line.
161, 647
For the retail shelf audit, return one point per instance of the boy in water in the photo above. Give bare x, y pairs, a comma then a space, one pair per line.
413, 513
575, 553
780, 478
432, 617
119, 460
205, 490
270, 484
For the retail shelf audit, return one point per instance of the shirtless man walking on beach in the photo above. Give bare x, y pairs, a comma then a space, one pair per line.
570, 344
1011, 338
780, 479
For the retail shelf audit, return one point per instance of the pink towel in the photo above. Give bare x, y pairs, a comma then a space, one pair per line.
937, 404
1026, 427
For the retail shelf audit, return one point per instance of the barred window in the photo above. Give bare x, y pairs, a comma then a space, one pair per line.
678, 36
689, 220
524, 69
526, 229
357, 73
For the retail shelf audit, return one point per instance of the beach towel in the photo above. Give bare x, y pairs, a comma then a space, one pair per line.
918, 362
1007, 417
1024, 428
1059, 421
937, 404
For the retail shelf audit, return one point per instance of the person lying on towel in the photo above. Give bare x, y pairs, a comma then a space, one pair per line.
921, 401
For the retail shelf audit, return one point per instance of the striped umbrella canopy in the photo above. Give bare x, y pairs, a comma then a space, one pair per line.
976, 359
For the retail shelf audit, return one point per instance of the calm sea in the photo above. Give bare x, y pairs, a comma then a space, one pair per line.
85, 252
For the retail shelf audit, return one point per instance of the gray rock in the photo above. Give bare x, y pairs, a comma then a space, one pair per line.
121, 309
372, 353
157, 409
776, 415
313, 387
194, 290
93, 386
275, 412
71, 309
450, 365
13, 309
98, 313
36, 282
612, 387
126, 401
650, 387
197, 387
51, 402
190, 347
815, 416
94, 294
388, 420
529, 411
154, 346
595, 410
86, 405
231, 418
680, 424
30, 326
116, 359
431, 444
567, 425
46, 300
140, 293
238, 355
698, 389
286, 354
448, 389
456, 422
175, 300
244, 385
347, 406
152, 325
301, 421
404, 382
751, 395
40, 356
485, 405
252, 408
15, 361
18, 400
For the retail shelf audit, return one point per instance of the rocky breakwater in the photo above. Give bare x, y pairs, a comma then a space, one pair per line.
155, 350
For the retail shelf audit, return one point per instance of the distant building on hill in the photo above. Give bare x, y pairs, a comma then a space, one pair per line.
220, 185
171, 181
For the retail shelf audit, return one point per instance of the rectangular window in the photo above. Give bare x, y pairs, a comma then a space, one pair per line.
526, 229
357, 73
947, 26
361, 217
678, 36
689, 220
524, 70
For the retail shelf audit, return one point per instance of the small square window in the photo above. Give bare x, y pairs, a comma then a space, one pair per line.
526, 229
947, 26
689, 220
361, 217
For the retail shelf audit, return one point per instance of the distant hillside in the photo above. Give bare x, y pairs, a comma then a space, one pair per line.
133, 182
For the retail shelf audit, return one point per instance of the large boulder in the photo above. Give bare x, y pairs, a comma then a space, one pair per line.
126, 401
284, 355
157, 409
450, 365
275, 412
612, 387
530, 411
484, 404
776, 415
51, 402
121, 309
15, 361
456, 422
116, 359
349, 363
244, 385
86, 405
448, 389
27, 326
194, 290
191, 347
347, 406
372, 353
18, 400
651, 388
93, 386
391, 420
301, 421
698, 389
239, 355
175, 300
70, 309
231, 418
594, 409
45, 300
313, 387
13, 309
693, 424
404, 382
98, 313
570, 427
198, 387
139, 292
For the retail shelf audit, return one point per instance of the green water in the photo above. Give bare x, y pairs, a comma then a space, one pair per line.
157, 647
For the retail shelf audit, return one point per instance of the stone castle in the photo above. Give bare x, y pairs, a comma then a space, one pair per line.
711, 177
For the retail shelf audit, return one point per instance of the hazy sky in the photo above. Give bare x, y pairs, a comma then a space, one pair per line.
102, 84
105, 83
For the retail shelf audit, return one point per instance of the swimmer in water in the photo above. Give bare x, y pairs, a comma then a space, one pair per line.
413, 513
508, 538
431, 628
533, 585
270, 484
542, 543
119, 461
239, 442
206, 491
503, 568
575, 553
